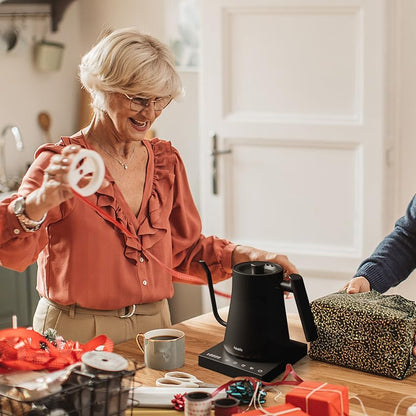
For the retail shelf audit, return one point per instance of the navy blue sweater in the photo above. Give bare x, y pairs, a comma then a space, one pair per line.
395, 257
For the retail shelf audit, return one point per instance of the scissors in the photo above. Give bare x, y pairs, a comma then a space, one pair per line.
181, 379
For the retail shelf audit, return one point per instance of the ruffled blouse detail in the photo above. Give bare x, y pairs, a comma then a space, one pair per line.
153, 219
154, 225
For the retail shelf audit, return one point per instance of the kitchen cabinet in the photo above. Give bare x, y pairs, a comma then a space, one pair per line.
18, 296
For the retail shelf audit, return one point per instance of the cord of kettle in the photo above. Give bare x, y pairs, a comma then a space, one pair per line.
179, 275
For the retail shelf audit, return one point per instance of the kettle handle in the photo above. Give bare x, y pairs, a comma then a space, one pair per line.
296, 285
212, 293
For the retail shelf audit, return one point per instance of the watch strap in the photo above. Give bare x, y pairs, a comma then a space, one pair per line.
28, 224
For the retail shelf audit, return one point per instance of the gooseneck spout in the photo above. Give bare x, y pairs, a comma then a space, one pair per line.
19, 146
212, 293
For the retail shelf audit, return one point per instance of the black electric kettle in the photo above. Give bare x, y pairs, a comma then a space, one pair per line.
257, 328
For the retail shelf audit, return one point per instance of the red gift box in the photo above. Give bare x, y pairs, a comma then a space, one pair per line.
320, 399
284, 409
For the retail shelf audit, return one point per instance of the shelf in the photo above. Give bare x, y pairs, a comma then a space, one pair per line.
35, 9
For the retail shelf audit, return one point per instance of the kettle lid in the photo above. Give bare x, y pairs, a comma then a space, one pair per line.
257, 268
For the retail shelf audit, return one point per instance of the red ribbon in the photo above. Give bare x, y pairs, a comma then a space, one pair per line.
178, 400
289, 371
180, 276
26, 349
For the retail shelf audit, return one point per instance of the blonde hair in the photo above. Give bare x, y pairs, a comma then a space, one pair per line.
128, 61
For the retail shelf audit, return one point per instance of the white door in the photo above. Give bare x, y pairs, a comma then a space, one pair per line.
294, 90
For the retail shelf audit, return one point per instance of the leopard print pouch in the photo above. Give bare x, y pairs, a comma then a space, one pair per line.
366, 331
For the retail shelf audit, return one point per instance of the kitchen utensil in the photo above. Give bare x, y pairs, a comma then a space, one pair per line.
44, 121
48, 55
257, 339
10, 38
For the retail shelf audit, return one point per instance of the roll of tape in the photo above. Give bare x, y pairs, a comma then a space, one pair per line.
86, 172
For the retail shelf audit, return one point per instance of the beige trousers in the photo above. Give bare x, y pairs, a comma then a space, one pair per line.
80, 324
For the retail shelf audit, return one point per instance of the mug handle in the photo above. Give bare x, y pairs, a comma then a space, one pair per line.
138, 337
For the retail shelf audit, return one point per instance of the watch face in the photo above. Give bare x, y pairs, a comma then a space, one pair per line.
19, 206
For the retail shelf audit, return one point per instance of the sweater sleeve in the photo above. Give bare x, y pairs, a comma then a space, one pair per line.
189, 245
395, 257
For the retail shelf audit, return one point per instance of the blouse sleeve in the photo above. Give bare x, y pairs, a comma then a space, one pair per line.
189, 245
19, 248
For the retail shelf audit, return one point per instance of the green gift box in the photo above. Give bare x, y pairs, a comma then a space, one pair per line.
368, 331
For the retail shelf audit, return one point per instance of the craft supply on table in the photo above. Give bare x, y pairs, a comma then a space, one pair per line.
367, 331
162, 396
244, 390
81, 394
103, 362
181, 379
320, 399
26, 349
226, 407
284, 409
97, 386
111, 394
198, 403
34, 385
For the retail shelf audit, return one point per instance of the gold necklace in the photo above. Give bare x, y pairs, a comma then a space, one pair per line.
123, 164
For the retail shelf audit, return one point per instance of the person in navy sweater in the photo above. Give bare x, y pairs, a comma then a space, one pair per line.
392, 261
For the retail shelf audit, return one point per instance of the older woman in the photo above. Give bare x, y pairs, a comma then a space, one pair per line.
93, 278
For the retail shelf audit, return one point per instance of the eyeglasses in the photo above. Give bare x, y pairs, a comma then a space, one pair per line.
139, 103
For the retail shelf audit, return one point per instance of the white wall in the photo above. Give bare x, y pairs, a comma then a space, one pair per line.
25, 91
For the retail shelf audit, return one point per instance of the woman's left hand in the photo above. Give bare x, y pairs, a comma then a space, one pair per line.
244, 253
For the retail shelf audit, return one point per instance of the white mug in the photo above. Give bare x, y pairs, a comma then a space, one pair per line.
163, 349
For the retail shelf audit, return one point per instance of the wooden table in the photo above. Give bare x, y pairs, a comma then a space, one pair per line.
380, 395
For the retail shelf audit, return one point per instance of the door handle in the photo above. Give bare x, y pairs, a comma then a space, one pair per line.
215, 153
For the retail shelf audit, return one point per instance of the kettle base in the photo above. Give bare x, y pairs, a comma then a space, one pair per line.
219, 360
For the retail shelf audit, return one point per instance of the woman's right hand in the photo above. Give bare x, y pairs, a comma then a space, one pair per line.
55, 188
357, 285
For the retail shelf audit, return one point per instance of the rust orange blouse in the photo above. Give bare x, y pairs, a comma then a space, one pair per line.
84, 259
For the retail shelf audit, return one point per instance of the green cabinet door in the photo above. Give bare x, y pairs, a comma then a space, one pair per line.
18, 296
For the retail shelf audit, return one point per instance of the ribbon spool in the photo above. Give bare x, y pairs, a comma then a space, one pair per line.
86, 172
103, 362
226, 407
198, 403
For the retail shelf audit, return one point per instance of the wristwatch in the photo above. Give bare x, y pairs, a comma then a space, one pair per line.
26, 223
